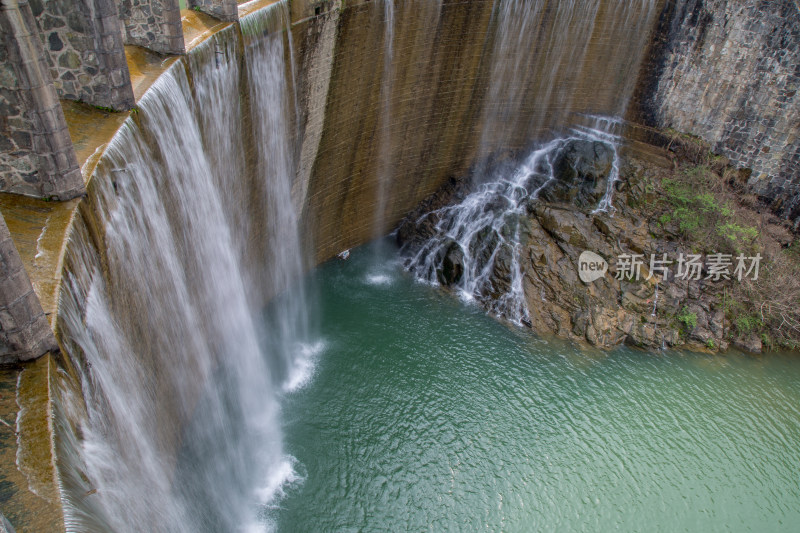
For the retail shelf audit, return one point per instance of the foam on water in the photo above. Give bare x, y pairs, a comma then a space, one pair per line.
303, 364
378, 279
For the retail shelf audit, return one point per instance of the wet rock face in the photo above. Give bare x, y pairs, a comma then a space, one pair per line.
551, 232
420, 225
580, 171
452, 265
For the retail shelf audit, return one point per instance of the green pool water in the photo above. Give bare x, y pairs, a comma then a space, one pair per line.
424, 414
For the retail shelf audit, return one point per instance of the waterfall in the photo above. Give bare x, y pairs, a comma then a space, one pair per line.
481, 236
275, 168
191, 226
167, 270
384, 177
560, 71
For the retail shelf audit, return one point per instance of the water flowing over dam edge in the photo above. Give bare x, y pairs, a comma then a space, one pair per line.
179, 223
339, 145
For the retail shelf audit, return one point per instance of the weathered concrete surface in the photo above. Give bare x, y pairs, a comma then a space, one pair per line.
28, 485
90, 129
24, 331
83, 40
198, 26
39, 233
153, 24
727, 71
227, 10
145, 68
36, 155
453, 96
434, 105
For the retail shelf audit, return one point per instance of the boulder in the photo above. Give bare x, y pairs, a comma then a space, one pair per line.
581, 171
452, 265
751, 344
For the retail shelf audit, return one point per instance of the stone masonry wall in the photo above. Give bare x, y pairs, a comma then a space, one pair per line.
36, 153
87, 57
220, 9
728, 71
24, 331
153, 24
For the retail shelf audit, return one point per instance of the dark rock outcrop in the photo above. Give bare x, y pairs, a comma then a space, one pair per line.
552, 233
452, 265
580, 172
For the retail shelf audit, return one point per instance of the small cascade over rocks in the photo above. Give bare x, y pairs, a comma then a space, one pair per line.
473, 243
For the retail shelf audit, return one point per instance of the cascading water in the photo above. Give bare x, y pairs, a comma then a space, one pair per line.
475, 244
162, 296
191, 225
385, 156
275, 165
542, 57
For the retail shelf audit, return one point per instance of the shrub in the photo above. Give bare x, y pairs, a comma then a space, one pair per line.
705, 202
704, 214
688, 318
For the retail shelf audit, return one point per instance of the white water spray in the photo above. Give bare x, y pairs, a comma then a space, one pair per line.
181, 373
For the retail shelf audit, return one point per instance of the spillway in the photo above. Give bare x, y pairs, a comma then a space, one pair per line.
272, 146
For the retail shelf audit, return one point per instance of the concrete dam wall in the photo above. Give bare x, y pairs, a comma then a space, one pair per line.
466, 79
306, 129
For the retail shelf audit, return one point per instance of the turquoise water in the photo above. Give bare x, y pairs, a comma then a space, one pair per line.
424, 414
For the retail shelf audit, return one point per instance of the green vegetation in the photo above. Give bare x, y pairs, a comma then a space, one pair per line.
689, 319
746, 324
705, 204
703, 216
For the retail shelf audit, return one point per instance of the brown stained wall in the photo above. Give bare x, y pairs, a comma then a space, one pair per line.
456, 95
437, 58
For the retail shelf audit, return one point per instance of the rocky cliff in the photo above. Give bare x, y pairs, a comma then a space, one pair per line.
669, 208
